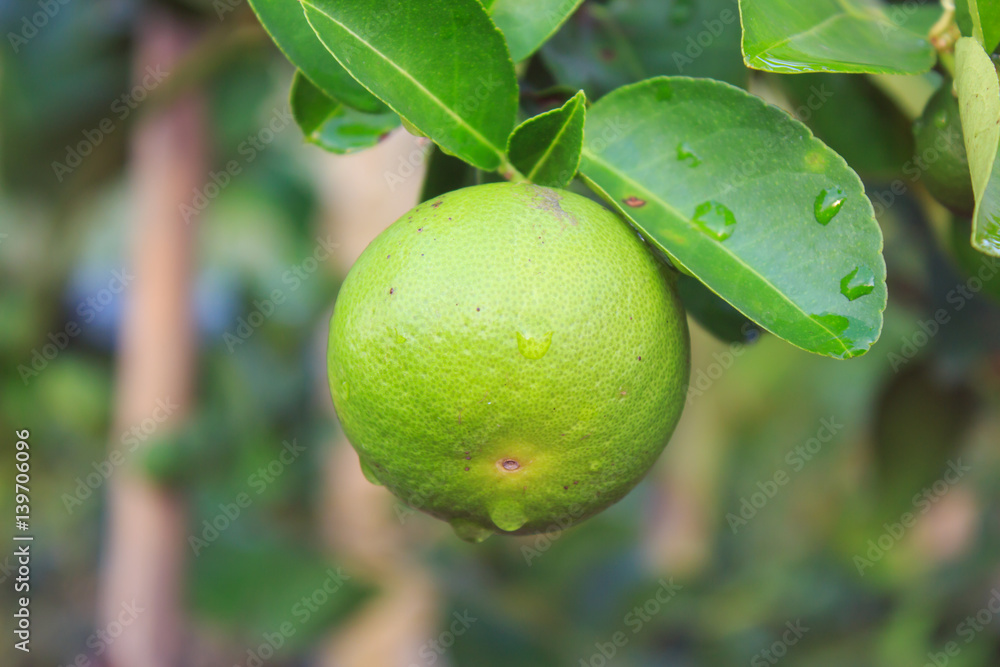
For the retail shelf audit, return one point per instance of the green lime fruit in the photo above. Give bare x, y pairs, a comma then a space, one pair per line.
508, 358
972, 263
940, 145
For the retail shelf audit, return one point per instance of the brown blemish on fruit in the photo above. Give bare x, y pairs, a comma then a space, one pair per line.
466, 468
436, 204
509, 464
548, 200
634, 201
392, 290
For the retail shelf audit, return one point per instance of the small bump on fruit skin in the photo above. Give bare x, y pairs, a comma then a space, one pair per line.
523, 381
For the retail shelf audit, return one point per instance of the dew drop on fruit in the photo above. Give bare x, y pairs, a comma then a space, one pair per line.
398, 337
686, 154
507, 515
715, 220
345, 390
369, 474
468, 531
828, 204
534, 347
857, 283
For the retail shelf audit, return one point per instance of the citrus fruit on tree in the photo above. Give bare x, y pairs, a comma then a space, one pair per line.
509, 358
941, 146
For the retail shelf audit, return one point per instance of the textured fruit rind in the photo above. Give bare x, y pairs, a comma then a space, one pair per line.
508, 356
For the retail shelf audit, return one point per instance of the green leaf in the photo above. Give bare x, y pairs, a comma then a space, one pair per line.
979, 106
527, 24
746, 199
985, 16
602, 47
790, 36
441, 64
546, 148
286, 24
333, 126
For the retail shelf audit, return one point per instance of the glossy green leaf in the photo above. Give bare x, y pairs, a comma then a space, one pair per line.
441, 64
285, 22
985, 16
979, 106
790, 36
546, 148
333, 126
527, 24
747, 200
604, 46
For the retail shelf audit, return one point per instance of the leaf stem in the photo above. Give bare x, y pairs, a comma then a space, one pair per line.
510, 172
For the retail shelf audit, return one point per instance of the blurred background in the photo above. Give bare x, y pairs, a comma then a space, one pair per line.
170, 251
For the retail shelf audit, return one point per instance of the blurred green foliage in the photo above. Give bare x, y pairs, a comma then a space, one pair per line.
749, 554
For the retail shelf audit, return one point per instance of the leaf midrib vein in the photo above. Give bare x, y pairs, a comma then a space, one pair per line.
551, 147
434, 98
737, 259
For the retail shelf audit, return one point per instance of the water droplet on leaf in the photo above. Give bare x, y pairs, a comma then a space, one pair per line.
686, 154
828, 204
715, 220
534, 348
857, 283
